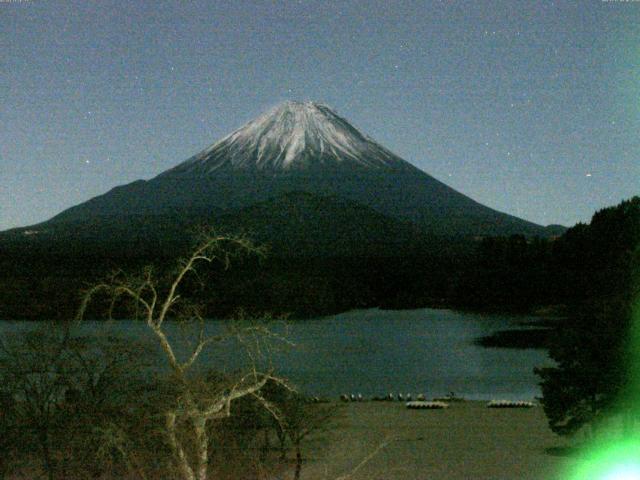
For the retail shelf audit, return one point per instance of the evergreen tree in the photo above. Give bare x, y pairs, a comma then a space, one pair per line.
594, 351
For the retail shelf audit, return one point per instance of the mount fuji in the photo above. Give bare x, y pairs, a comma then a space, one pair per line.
349, 224
298, 156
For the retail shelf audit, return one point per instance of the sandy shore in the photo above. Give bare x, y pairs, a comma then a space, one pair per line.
465, 441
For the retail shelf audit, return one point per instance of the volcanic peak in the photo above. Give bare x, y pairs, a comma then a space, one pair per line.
292, 136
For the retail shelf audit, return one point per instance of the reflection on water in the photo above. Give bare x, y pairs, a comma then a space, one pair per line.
374, 352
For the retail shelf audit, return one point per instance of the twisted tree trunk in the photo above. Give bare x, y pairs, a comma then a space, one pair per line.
181, 458
202, 452
296, 475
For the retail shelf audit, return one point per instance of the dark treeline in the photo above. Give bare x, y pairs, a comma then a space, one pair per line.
34, 288
595, 348
41, 280
587, 264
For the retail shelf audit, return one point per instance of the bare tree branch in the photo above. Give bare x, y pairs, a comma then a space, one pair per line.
194, 409
365, 460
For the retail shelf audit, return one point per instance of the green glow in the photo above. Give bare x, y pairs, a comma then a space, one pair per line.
625, 472
618, 461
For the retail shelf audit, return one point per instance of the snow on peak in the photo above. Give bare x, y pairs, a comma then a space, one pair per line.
292, 136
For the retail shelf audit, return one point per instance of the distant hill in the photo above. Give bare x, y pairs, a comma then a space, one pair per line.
305, 224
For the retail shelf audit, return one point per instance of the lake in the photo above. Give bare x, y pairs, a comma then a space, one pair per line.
375, 352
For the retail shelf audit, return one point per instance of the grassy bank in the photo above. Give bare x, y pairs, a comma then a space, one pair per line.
465, 441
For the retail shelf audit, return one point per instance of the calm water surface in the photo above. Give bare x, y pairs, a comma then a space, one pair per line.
374, 352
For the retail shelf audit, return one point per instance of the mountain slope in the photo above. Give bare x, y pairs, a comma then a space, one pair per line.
302, 147
308, 225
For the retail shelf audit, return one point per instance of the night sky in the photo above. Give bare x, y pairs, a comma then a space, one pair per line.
529, 107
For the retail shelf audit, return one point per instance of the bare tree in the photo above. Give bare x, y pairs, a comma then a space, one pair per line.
195, 403
303, 418
56, 390
32, 373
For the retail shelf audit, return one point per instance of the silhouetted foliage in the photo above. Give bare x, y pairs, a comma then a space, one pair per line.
60, 389
589, 376
9, 431
592, 349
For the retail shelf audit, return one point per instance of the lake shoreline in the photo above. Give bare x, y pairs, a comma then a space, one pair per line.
372, 352
537, 337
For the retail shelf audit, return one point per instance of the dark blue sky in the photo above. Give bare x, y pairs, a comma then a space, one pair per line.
530, 107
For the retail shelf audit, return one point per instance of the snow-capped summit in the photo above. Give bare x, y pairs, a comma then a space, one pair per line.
293, 136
